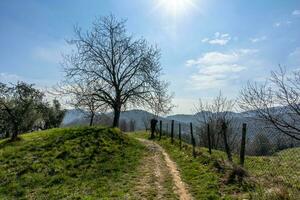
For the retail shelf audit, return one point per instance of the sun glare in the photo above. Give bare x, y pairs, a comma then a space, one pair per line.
175, 7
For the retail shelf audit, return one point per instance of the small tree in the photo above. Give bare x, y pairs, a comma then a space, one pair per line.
146, 120
161, 101
83, 98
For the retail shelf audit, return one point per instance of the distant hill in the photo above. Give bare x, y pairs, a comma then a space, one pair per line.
73, 115
182, 118
141, 118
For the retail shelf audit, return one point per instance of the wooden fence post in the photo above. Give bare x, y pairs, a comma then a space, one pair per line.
179, 132
228, 152
167, 128
243, 145
172, 132
160, 129
208, 139
193, 140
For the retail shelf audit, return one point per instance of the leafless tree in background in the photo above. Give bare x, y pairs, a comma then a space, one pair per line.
82, 98
216, 114
122, 71
161, 101
276, 102
146, 121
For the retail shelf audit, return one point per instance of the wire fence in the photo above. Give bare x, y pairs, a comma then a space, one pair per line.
267, 154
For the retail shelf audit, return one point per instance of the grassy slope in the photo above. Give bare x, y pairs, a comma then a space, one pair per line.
74, 163
275, 177
278, 175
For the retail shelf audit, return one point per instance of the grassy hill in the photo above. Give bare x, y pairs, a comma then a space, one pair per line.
73, 163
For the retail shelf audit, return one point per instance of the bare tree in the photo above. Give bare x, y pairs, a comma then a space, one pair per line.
217, 114
82, 98
161, 100
123, 71
146, 118
276, 102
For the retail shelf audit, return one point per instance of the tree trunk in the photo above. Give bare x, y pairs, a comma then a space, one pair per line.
172, 132
228, 152
208, 139
193, 140
6, 134
179, 132
92, 119
243, 145
160, 129
117, 111
14, 136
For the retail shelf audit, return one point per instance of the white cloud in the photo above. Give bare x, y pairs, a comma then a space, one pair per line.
217, 69
221, 69
218, 39
258, 39
213, 58
296, 12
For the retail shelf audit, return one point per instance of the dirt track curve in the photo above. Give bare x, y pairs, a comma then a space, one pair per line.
158, 163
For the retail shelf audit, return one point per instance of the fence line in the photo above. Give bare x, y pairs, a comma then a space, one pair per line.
263, 153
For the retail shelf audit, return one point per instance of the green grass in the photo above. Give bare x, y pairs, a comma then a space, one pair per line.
202, 175
70, 163
279, 174
272, 177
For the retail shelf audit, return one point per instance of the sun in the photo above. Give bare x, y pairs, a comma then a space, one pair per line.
175, 7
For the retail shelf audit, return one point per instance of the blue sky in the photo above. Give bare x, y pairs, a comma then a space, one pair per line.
207, 45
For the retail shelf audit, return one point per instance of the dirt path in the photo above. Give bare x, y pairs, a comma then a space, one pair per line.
161, 179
